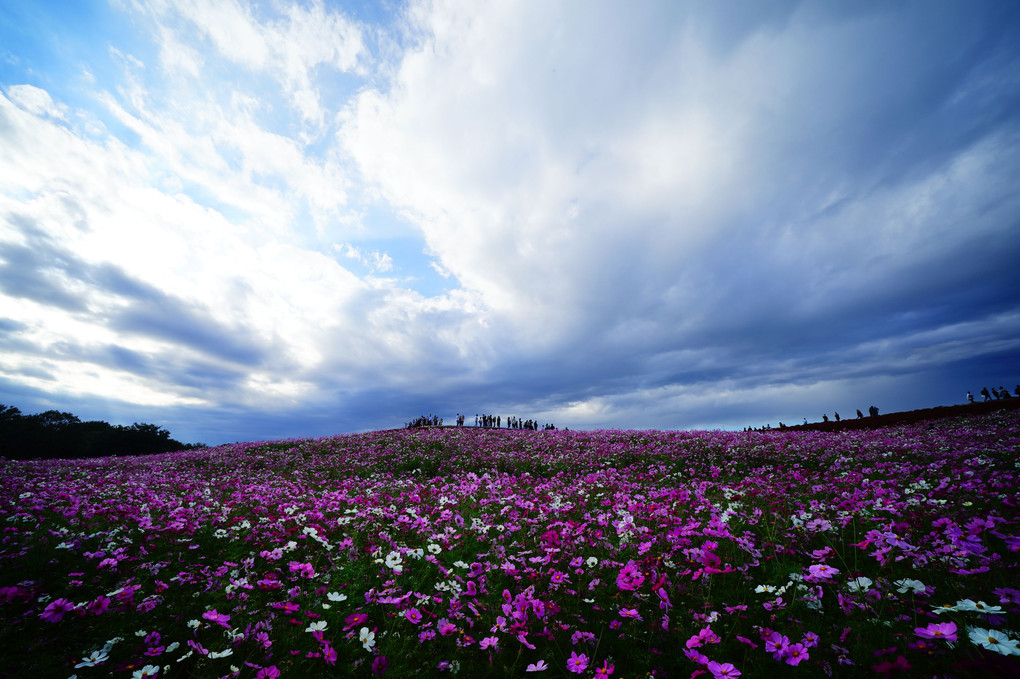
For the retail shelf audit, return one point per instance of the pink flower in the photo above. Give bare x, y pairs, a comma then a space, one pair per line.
353, 620
268, 673
696, 656
489, 642
776, 644
539, 666
413, 615
577, 663
99, 606
937, 630
900, 665
217, 618
630, 577
55, 611
630, 613
305, 570
704, 636
379, 665
794, 654
722, 669
606, 669
821, 571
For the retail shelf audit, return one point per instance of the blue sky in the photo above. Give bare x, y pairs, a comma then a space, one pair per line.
253, 220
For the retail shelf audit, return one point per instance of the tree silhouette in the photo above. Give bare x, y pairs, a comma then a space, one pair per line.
55, 434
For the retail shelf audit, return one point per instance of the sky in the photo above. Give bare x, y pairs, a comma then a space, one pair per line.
246, 220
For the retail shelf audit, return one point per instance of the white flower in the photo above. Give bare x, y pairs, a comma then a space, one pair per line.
860, 584
394, 561
336, 596
221, 654
173, 647
316, 626
764, 588
416, 553
979, 607
434, 548
915, 586
994, 640
367, 638
145, 672
93, 659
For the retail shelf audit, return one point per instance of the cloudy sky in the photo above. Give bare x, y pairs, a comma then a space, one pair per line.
249, 220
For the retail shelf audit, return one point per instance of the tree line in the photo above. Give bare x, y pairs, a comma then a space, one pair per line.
54, 434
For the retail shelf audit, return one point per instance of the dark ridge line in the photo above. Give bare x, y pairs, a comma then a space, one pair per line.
909, 416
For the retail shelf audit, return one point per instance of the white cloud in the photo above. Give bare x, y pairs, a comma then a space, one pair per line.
35, 100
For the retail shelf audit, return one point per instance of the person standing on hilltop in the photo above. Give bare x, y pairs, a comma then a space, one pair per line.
836, 414
873, 411
984, 392
860, 415
970, 397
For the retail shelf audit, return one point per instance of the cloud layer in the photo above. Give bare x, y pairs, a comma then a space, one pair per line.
289, 219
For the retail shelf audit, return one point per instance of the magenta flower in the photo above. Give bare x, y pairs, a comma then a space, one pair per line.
353, 620
270, 672
630, 577
217, 618
722, 669
577, 663
696, 656
99, 606
794, 654
539, 666
776, 644
413, 615
630, 613
55, 611
489, 642
379, 665
937, 630
606, 669
821, 571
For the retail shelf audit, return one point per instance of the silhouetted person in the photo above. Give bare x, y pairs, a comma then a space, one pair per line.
873, 411
995, 393
836, 414
1003, 392
825, 417
984, 392
860, 415
970, 397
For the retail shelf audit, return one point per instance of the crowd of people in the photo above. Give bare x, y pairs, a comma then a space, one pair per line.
872, 411
484, 421
425, 421
512, 422
997, 394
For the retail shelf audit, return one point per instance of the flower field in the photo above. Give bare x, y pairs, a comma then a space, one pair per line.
484, 552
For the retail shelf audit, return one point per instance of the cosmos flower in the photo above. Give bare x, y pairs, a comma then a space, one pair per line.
722, 669
993, 640
936, 630
577, 662
367, 638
